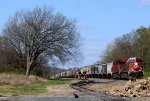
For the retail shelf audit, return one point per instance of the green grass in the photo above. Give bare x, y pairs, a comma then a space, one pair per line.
32, 89
59, 81
146, 73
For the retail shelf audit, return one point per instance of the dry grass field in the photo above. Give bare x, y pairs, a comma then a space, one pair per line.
13, 85
17, 79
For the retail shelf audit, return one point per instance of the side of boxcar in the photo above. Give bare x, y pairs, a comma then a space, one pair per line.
109, 69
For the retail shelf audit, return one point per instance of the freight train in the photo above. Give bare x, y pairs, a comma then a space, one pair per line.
118, 69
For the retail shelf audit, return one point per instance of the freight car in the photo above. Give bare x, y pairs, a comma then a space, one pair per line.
70, 73
100, 73
91, 71
117, 69
109, 69
65, 74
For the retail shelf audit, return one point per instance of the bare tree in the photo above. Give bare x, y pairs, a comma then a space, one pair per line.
42, 33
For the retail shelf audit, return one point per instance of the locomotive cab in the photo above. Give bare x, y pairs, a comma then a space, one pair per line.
135, 66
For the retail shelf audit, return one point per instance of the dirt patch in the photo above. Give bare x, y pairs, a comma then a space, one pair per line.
61, 90
107, 87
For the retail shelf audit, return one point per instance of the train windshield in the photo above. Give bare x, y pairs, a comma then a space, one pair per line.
134, 60
139, 60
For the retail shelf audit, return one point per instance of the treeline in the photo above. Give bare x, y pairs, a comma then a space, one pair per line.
133, 44
33, 38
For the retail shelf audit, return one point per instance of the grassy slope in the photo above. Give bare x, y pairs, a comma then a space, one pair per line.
146, 73
32, 89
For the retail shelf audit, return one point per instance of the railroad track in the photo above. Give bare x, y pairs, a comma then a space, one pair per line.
82, 86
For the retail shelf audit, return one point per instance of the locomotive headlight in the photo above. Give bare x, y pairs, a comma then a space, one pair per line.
136, 64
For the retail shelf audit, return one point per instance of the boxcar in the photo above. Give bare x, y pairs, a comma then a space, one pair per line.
96, 70
100, 71
89, 71
68, 74
109, 69
104, 70
63, 74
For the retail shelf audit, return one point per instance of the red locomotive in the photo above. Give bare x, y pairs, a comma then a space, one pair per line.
135, 67
120, 69
125, 68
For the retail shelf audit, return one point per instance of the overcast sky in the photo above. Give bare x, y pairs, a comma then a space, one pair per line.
99, 21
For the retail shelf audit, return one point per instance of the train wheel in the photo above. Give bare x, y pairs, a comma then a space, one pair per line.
109, 76
115, 75
130, 77
140, 77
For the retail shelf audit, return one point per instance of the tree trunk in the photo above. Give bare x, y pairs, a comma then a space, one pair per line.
29, 63
28, 69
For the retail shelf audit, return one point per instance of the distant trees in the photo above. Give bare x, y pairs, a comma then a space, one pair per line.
134, 44
142, 44
31, 36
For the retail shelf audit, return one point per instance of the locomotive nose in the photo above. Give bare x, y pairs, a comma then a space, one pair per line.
136, 64
137, 67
